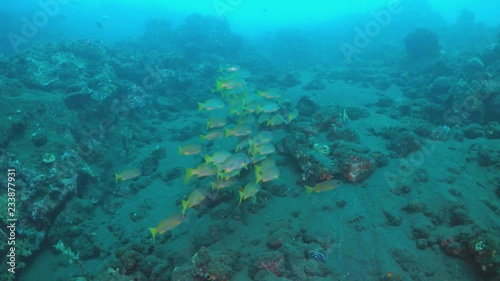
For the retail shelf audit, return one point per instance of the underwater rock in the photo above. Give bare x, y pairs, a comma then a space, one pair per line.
315, 166
78, 101
382, 82
484, 249
39, 140
492, 108
182, 273
218, 266
422, 43
307, 107
358, 167
493, 130
475, 64
17, 129
402, 142
385, 102
488, 157
314, 84
269, 261
473, 131
205, 35
289, 80
343, 134
439, 89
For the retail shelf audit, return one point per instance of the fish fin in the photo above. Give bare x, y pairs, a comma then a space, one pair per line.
153, 233
309, 190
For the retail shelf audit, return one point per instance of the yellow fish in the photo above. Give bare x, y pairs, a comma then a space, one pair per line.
239, 130
195, 198
230, 84
276, 120
323, 186
262, 138
292, 115
203, 170
234, 162
213, 135
219, 184
127, 174
218, 157
250, 190
270, 94
266, 175
166, 224
216, 123
190, 149
211, 104
269, 107
263, 149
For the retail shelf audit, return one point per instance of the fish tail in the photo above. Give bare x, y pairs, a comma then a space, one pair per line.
153, 233
258, 176
117, 177
180, 150
213, 186
241, 197
184, 206
218, 85
228, 132
252, 150
219, 171
309, 190
200, 106
208, 159
188, 175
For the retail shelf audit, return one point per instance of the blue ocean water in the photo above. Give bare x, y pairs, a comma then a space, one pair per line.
250, 140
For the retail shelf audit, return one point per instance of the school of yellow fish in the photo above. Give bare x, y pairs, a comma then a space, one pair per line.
246, 142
